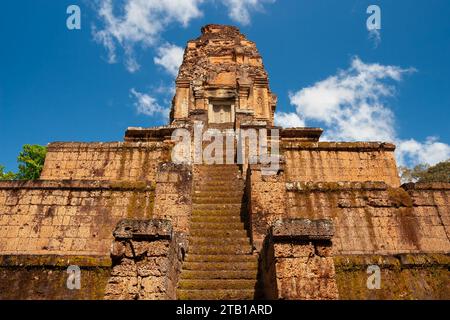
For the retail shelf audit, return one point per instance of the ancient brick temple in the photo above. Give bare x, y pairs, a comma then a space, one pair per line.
139, 226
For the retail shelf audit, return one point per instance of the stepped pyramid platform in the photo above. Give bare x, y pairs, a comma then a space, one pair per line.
140, 225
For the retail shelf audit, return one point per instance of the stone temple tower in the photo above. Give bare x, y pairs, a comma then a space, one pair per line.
222, 81
135, 224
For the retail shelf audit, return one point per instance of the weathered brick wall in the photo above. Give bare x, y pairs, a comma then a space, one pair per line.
147, 257
372, 218
406, 276
431, 198
104, 161
68, 217
45, 277
267, 201
340, 161
296, 261
173, 197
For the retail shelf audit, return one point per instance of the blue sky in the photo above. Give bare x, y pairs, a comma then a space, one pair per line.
62, 85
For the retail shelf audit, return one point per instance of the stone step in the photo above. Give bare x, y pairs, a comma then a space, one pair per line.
216, 294
221, 265
219, 181
218, 170
208, 284
216, 233
221, 206
227, 198
215, 219
217, 225
214, 200
218, 173
217, 166
218, 188
229, 193
213, 167
213, 187
240, 274
217, 191
233, 179
211, 249
216, 213
218, 241
220, 258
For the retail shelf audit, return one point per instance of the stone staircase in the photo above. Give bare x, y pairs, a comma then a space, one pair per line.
220, 263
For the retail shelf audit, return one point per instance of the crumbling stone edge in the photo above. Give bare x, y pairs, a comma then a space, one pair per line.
146, 260
296, 261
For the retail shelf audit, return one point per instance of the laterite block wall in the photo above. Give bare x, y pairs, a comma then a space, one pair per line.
340, 161
372, 218
69, 217
104, 161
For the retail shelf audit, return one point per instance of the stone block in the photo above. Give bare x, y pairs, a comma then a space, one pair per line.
143, 229
302, 229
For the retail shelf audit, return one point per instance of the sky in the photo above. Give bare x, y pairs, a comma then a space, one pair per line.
326, 67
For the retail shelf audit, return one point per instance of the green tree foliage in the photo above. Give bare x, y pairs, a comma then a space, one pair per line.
31, 161
6, 175
424, 173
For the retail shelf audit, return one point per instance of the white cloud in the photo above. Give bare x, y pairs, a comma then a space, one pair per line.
141, 22
148, 105
289, 120
239, 10
170, 58
410, 152
350, 103
351, 106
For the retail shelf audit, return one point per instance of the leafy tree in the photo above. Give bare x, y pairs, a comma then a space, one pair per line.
438, 173
412, 174
424, 173
31, 161
6, 175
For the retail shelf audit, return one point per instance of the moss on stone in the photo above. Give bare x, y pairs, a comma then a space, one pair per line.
131, 185
50, 283
395, 285
399, 197
53, 260
406, 276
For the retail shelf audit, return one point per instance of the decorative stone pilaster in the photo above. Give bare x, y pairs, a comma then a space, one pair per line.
296, 262
147, 257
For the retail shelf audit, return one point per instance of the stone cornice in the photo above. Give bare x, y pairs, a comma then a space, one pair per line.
120, 185
338, 146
